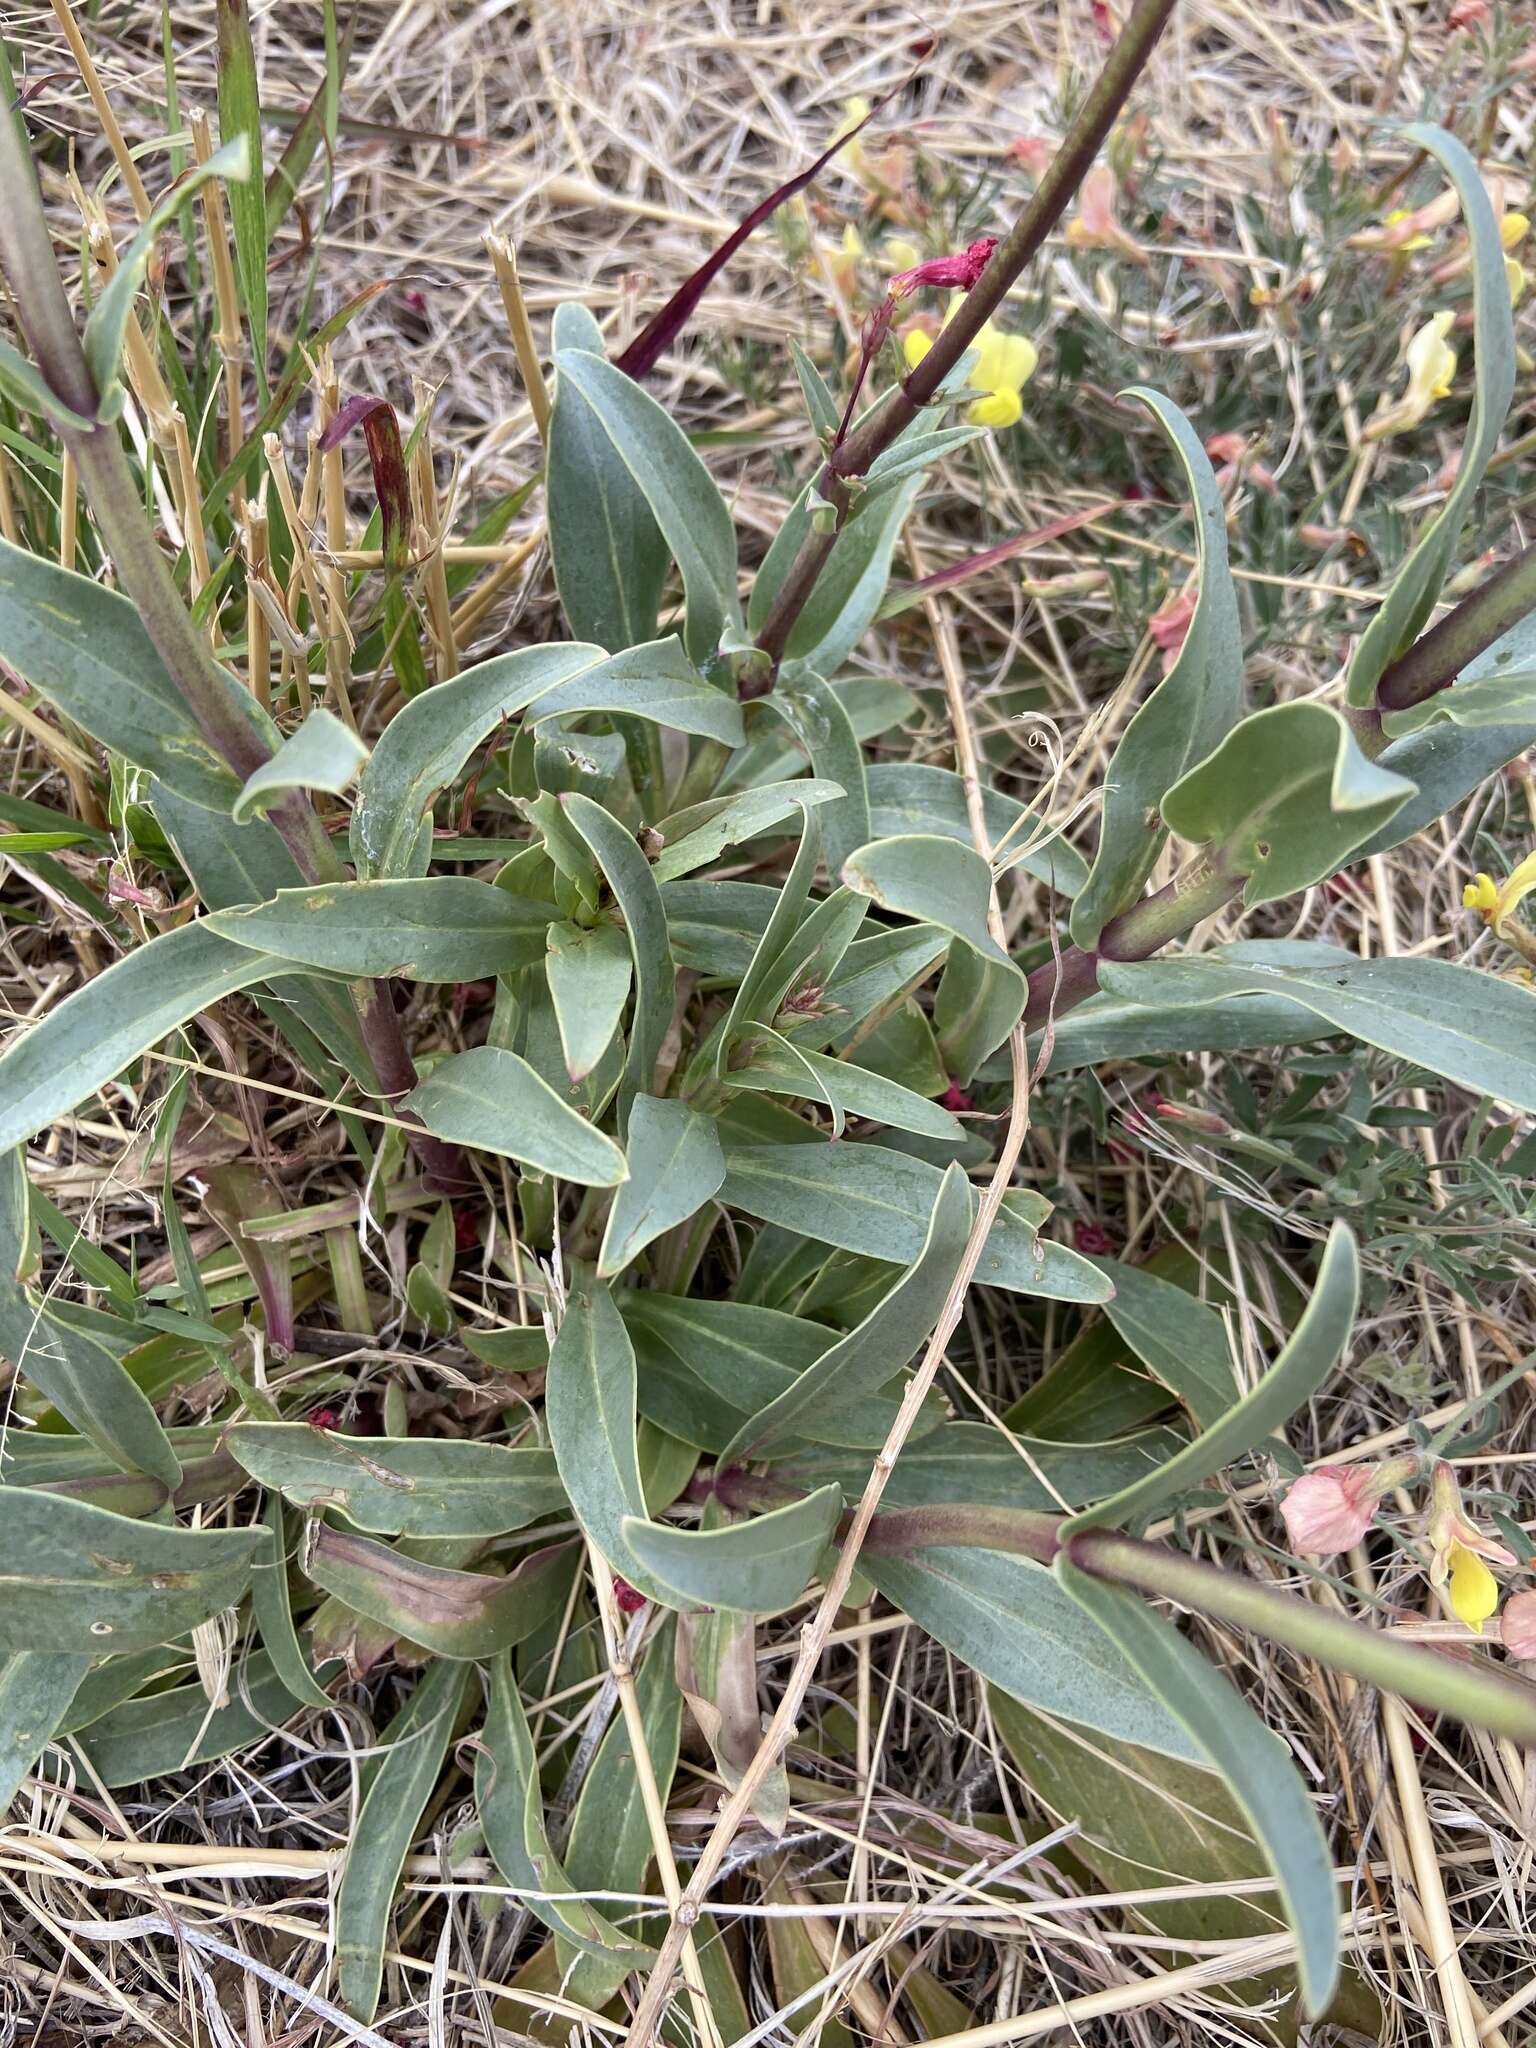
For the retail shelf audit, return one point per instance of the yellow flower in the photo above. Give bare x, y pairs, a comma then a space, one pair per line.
1513, 229
1494, 903
1004, 364
1460, 1553
900, 254
1518, 278
1414, 241
842, 264
1431, 366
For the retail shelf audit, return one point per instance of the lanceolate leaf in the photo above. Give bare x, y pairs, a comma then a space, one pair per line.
1285, 799
973, 1465
1183, 718
865, 1198
751, 999
937, 881
754, 1567
819, 719
172, 1730
1009, 1620
675, 1166
655, 682
590, 969
403, 1779
1473, 1028
917, 797
402, 1486
35, 1692
322, 754
448, 928
678, 488
849, 589
85, 649
77, 1371
1262, 1778
1107, 1027
1398, 622
1309, 1356
883, 1342
77, 1580
779, 1066
272, 1609
495, 1101
1445, 763
116, 1016
510, 1806
240, 117
695, 837
628, 875
1180, 1340
609, 557
458, 1614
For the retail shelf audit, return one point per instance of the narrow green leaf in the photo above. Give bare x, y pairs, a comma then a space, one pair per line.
404, 1777
240, 116
1108, 1027
79, 1580
761, 987
976, 1007
175, 1729
25, 386
906, 458
496, 1102
402, 1486
1009, 1620
656, 682
446, 928
908, 797
1309, 1355
93, 1034
590, 969
1470, 1027
934, 880
510, 1806
821, 407
318, 123
878, 1347
1397, 623
1259, 1773
85, 649
1180, 1340
681, 494
974, 1465
1185, 716
77, 1371
610, 559
779, 1066
322, 754
818, 717
754, 1567
695, 837
35, 1692
1285, 799
1445, 763
675, 1166
456, 1613
847, 596
272, 1610
628, 875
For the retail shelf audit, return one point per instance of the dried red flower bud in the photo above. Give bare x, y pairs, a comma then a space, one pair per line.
955, 1099
953, 273
1205, 1123
626, 1597
324, 1418
1093, 1239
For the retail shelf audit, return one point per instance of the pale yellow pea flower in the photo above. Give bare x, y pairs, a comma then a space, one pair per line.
1004, 364
1431, 366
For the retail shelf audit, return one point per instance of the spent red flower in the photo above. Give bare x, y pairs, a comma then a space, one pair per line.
1092, 1238
324, 1418
949, 273
955, 1099
627, 1598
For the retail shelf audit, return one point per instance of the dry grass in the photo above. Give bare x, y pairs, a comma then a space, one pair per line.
611, 143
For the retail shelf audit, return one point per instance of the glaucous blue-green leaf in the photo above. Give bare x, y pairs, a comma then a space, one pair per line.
78, 1371
1309, 1355
819, 720
847, 595
589, 1404
872, 975
610, 559
1108, 1027
778, 1066
86, 650
906, 458
1397, 622
716, 927
441, 928
120, 1013
403, 1779
35, 1691
1181, 1341
321, 754
753, 1567
510, 1805
879, 1346
866, 1198
1445, 763
821, 406
576, 326
590, 970
1259, 1773
458, 1614
108, 322
976, 1006
681, 494
81, 1581
675, 1166
1472, 1028
429, 741
917, 796
696, 836
656, 682
1008, 1619
754, 998
972, 1464
130, 1739
402, 1486
1184, 716
1285, 799
628, 874
272, 1607
1497, 687
611, 1845
494, 1101
934, 880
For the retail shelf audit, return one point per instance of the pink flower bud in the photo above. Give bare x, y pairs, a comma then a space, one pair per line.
1329, 1510
955, 1099
1170, 623
1204, 1123
1518, 1627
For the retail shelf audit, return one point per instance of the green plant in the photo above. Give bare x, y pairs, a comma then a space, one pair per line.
671, 1052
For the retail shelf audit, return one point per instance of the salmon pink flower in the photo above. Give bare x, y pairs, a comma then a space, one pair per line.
1331, 1509
1517, 1627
